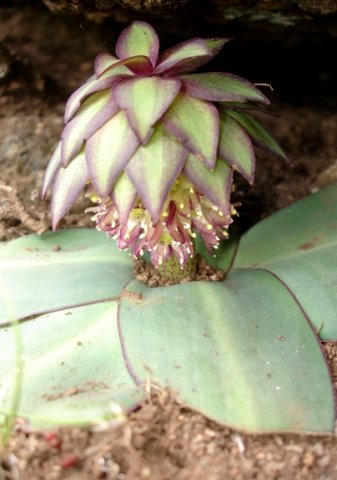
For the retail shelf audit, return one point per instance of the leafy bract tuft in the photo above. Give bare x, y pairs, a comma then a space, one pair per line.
156, 145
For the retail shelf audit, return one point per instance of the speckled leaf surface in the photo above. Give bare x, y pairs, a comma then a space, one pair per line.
73, 368
231, 352
60, 270
299, 246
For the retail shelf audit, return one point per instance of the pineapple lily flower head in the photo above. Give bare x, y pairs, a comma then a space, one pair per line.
155, 146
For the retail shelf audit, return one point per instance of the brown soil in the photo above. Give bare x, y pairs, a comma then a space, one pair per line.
161, 440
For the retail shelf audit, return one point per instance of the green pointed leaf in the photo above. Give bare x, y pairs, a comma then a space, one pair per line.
215, 44
189, 55
196, 123
138, 39
60, 270
117, 71
107, 79
221, 87
103, 61
145, 100
215, 184
108, 151
299, 245
135, 65
68, 184
154, 168
236, 148
259, 134
95, 111
53, 166
74, 372
124, 195
230, 352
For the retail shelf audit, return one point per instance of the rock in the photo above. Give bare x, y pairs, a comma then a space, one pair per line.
275, 15
324, 7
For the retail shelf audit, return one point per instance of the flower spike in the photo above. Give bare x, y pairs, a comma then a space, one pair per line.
155, 146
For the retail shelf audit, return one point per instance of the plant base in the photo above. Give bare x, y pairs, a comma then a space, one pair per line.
171, 269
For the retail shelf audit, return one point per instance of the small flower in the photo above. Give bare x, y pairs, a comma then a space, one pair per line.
157, 145
185, 212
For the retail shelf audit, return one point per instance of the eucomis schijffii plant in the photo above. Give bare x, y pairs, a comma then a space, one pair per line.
155, 146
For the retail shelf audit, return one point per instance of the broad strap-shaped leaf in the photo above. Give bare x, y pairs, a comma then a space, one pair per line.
259, 134
188, 55
196, 123
139, 38
240, 351
235, 147
154, 168
299, 246
215, 184
68, 185
54, 271
108, 151
103, 61
53, 167
124, 195
145, 100
223, 256
95, 111
74, 372
215, 44
221, 87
